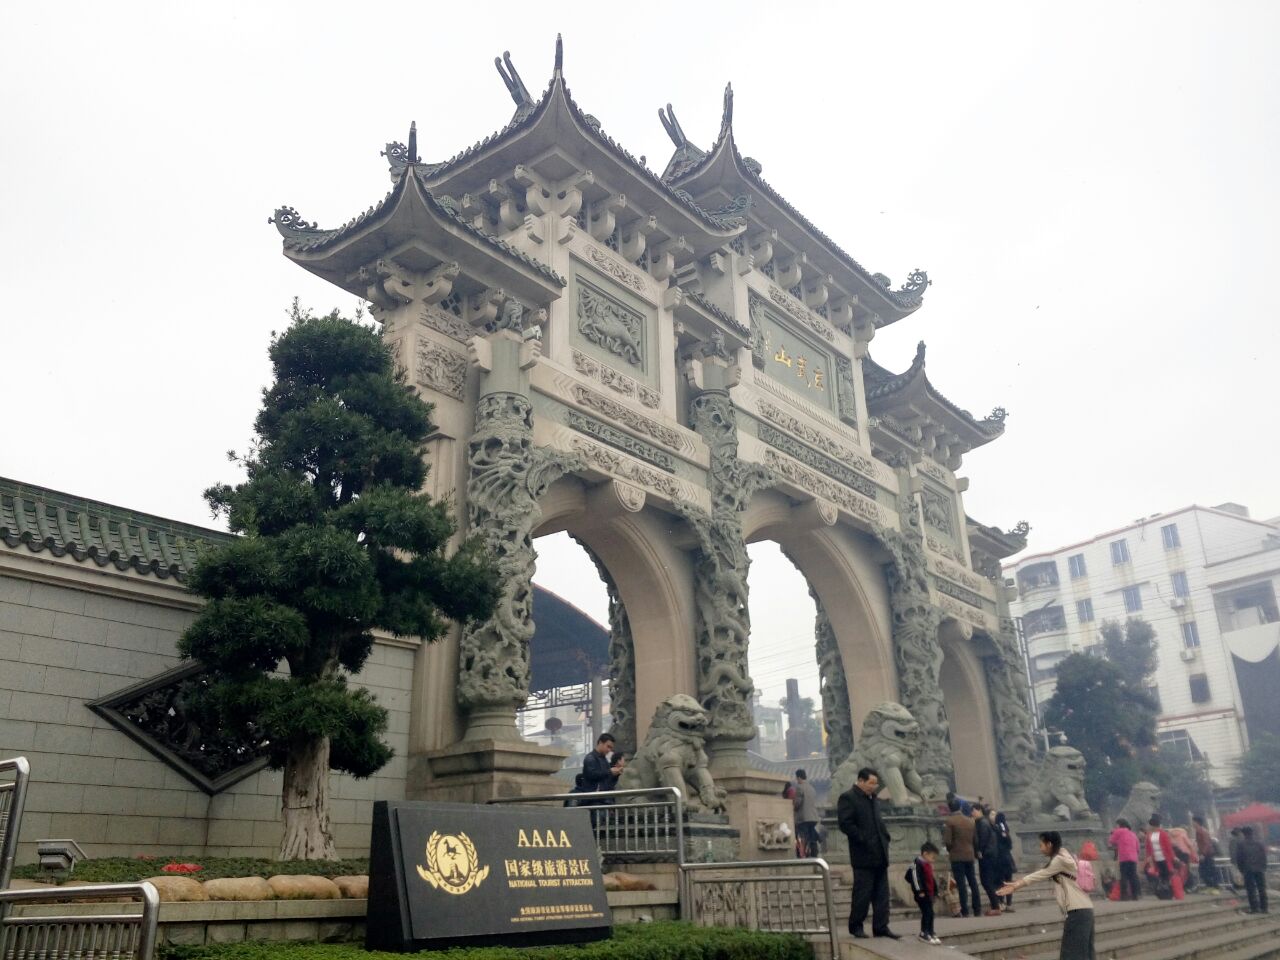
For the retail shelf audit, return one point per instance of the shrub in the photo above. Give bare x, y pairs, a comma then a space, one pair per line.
637, 941
131, 870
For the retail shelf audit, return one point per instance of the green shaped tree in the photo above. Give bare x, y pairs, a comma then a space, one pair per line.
1108, 720
1260, 769
336, 541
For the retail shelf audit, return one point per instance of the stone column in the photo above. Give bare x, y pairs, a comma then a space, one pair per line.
917, 651
622, 665
1011, 715
506, 476
837, 715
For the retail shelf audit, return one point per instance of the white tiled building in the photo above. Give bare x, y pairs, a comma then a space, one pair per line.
1206, 579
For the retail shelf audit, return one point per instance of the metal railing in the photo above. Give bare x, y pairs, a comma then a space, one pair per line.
627, 826
113, 936
784, 896
13, 795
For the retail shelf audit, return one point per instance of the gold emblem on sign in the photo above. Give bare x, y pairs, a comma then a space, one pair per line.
452, 864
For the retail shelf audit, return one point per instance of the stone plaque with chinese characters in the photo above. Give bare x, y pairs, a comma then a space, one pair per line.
794, 360
443, 874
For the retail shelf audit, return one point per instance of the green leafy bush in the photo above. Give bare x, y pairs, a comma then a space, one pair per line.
636, 941
131, 870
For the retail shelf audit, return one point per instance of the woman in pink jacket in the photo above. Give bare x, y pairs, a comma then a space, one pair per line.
1125, 843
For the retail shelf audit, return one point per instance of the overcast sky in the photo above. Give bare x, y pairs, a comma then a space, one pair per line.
1092, 187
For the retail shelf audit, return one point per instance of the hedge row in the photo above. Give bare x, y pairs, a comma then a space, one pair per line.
131, 870
637, 941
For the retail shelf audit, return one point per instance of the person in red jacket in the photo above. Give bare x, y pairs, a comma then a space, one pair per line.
1159, 850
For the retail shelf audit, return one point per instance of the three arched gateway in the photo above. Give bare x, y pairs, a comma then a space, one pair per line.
668, 367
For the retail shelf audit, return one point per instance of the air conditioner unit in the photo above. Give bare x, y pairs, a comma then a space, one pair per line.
1188, 655
1178, 603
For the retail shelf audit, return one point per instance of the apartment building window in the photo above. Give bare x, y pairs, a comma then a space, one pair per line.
1169, 534
1119, 552
1132, 599
1180, 587
1190, 635
1084, 610
1199, 687
1076, 565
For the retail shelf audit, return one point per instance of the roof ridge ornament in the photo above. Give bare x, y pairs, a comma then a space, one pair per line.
515, 86
726, 114
558, 72
399, 157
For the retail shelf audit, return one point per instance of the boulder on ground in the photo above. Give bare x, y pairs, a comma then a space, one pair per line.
174, 889
353, 888
239, 888
304, 887
626, 881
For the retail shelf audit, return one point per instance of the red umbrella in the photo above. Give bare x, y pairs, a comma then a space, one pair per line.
1254, 813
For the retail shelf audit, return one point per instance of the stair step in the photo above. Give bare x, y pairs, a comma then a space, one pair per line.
1145, 941
1049, 927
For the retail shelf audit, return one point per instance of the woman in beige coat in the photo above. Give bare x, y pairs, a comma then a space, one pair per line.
1077, 908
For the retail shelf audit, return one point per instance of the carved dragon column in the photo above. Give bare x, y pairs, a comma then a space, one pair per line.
917, 652
622, 665
1011, 714
721, 564
508, 475
837, 715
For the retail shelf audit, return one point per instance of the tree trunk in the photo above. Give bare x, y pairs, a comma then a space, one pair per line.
306, 804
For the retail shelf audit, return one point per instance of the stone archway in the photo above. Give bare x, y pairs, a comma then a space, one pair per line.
653, 579
964, 688
844, 573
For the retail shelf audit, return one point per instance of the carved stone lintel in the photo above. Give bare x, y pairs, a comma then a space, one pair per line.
442, 369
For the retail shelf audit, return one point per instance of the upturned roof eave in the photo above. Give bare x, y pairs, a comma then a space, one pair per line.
557, 105
724, 159
993, 541
410, 212
911, 393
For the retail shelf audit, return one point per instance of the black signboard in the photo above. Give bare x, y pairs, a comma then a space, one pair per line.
445, 874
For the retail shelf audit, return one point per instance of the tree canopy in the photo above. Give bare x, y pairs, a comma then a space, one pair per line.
1131, 646
1111, 722
1260, 769
336, 541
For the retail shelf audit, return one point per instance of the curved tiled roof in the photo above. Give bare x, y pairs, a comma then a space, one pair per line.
733, 324
687, 163
89, 531
526, 117
880, 384
302, 236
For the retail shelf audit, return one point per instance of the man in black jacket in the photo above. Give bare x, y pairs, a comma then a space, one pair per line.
986, 846
859, 817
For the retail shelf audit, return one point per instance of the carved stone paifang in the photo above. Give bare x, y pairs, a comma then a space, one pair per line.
508, 475
611, 325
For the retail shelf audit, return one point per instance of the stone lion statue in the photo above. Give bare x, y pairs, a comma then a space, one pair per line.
672, 755
1144, 800
1058, 789
889, 743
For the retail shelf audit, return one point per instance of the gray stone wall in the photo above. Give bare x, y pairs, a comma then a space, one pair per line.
60, 647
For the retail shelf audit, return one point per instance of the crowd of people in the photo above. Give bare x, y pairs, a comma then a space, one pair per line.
979, 846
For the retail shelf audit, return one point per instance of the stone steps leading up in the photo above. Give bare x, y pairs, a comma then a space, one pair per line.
1225, 927
1047, 924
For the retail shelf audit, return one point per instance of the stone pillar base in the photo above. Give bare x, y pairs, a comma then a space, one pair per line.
474, 771
755, 805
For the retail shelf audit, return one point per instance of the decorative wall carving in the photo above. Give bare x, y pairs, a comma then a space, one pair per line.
949, 589
623, 441
798, 311
508, 475
617, 465
944, 549
816, 438
720, 570
442, 369
837, 715
615, 269
622, 664
806, 455
930, 468
961, 612
447, 324
916, 648
938, 511
610, 324
963, 577
846, 394
611, 378
613, 410
823, 487
1011, 714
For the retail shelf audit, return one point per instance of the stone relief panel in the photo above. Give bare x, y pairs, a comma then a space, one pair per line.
939, 511
789, 357
442, 369
610, 324
846, 394
622, 441
604, 374
811, 458
444, 322
822, 487
623, 467
613, 410
816, 438
615, 269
